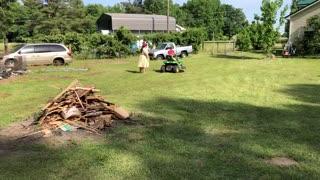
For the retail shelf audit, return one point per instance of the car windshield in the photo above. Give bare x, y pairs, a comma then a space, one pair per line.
161, 46
15, 48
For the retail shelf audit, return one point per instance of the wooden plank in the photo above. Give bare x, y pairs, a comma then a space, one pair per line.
75, 82
121, 113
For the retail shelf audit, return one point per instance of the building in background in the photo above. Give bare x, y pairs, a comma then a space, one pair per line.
298, 19
137, 23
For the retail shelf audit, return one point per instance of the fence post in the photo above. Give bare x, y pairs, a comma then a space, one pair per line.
217, 47
225, 48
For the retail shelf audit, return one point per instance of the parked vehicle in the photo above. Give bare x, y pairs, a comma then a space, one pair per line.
40, 54
161, 52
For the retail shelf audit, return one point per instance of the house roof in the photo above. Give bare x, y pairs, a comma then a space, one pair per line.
305, 2
141, 21
300, 10
134, 16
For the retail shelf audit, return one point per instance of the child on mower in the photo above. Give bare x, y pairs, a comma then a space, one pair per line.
171, 53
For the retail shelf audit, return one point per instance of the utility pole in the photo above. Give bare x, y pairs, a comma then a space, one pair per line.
168, 31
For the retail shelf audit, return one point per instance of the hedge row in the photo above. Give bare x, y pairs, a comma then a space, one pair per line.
96, 45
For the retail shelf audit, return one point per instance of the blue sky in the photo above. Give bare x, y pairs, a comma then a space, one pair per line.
250, 7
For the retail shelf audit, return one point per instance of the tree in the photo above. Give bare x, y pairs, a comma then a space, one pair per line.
243, 39
94, 11
234, 20
269, 9
136, 7
294, 6
7, 15
156, 6
205, 13
33, 12
56, 17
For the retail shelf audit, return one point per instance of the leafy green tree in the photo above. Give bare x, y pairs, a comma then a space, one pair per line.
177, 12
294, 6
33, 12
135, 8
234, 20
255, 31
124, 36
269, 33
7, 16
243, 39
206, 13
94, 11
156, 6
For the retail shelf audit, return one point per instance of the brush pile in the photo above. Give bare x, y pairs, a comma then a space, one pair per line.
79, 107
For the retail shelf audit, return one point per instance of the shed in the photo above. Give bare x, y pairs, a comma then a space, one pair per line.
136, 23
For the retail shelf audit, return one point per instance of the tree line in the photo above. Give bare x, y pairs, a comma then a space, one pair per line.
32, 18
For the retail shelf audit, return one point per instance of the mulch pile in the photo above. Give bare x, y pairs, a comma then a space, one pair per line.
79, 107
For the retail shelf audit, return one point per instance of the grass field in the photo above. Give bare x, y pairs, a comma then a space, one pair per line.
222, 119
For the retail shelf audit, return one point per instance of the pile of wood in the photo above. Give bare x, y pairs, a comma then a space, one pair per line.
79, 107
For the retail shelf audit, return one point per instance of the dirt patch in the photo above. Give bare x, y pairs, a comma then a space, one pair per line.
282, 161
8, 80
4, 95
97, 73
27, 132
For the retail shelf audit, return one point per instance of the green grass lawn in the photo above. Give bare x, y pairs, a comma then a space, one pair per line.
222, 119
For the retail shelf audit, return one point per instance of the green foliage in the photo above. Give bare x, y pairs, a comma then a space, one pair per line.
244, 40
193, 36
234, 21
312, 39
7, 16
124, 36
255, 33
269, 9
263, 35
206, 13
156, 6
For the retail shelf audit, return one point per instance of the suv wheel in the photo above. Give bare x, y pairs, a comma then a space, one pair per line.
58, 62
9, 63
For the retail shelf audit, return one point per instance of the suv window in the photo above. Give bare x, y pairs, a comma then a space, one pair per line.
41, 48
49, 48
57, 48
27, 50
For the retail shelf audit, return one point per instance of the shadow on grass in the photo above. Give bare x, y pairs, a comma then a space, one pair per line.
189, 139
304, 92
134, 72
233, 57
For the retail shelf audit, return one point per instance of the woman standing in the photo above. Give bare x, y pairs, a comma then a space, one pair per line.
143, 58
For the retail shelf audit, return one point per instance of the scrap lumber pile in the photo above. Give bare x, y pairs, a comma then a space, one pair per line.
79, 107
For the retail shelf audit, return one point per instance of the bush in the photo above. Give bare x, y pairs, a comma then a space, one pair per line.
104, 46
243, 40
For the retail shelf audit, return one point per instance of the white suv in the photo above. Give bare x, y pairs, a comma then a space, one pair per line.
40, 54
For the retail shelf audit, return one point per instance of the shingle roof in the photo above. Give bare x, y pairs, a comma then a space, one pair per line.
150, 22
292, 14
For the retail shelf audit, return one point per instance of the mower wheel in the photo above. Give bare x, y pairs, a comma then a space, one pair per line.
163, 68
175, 69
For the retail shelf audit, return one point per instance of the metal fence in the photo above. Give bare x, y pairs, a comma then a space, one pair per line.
218, 47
